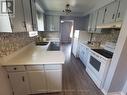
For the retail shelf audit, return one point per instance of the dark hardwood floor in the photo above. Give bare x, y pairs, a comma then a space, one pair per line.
75, 79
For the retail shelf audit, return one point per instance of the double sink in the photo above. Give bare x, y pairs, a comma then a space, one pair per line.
52, 46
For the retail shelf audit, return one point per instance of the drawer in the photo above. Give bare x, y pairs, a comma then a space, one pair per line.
53, 67
35, 67
15, 68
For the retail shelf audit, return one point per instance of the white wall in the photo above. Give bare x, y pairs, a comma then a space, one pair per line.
4, 83
84, 36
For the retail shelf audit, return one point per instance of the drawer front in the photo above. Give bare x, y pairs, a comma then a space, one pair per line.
35, 67
53, 67
15, 68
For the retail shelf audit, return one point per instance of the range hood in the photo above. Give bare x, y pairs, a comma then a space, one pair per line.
111, 25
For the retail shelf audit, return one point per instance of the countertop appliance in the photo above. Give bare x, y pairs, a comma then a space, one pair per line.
99, 62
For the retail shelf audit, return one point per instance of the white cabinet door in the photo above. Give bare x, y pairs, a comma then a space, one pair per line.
110, 14
40, 21
18, 21
52, 23
84, 54
56, 23
100, 18
94, 20
90, 22
49, 23
54, 80
75, 45
34, 15
19, 83
27, 14
122, 9
81, 54
37, 81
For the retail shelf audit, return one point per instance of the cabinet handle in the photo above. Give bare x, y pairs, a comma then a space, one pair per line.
113, 16
105, 10
24, 24
15, 68
119, 15
23, 79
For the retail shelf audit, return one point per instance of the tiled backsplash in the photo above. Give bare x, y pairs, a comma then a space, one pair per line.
110, 36
11, 42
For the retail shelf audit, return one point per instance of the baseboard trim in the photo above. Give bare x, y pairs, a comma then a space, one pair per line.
112, 93
122, 93
104, 92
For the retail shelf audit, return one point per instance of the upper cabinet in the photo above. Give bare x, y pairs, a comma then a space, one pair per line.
92, 22
52, 23
27, 8
121, 10
101, 14
23, 19
18, 20
110, 12
109, 16
40, 21
34, 15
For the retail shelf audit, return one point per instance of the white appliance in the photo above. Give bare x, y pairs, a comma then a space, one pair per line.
99, 62
75, 42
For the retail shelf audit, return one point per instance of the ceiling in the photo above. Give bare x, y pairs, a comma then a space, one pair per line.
77, 6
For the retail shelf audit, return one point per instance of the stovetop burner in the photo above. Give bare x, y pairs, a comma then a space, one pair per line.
104, 52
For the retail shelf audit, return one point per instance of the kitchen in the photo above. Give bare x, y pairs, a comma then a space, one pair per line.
70, 47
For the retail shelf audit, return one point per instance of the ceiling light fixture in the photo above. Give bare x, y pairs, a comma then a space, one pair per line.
67, 9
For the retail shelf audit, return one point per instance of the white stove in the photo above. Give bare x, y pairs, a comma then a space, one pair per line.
99, 62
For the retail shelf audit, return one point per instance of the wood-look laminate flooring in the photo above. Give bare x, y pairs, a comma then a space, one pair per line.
75, 79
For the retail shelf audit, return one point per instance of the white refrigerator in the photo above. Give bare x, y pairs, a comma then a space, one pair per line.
75, 43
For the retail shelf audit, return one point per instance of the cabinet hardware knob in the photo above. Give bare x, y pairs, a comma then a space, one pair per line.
15, 68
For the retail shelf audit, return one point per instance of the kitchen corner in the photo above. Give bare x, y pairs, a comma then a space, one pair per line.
35, 65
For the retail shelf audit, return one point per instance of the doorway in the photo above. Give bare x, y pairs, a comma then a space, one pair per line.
66, 31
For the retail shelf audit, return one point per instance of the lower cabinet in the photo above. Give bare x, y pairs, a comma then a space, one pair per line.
54, 80
19, 83
83, 53
35, 79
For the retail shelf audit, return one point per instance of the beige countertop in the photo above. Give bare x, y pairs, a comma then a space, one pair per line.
90, 46
34, 55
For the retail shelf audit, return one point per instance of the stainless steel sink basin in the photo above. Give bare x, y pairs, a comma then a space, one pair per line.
54, 46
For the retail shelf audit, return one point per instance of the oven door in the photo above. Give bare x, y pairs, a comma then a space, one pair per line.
97, 68
94, 65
